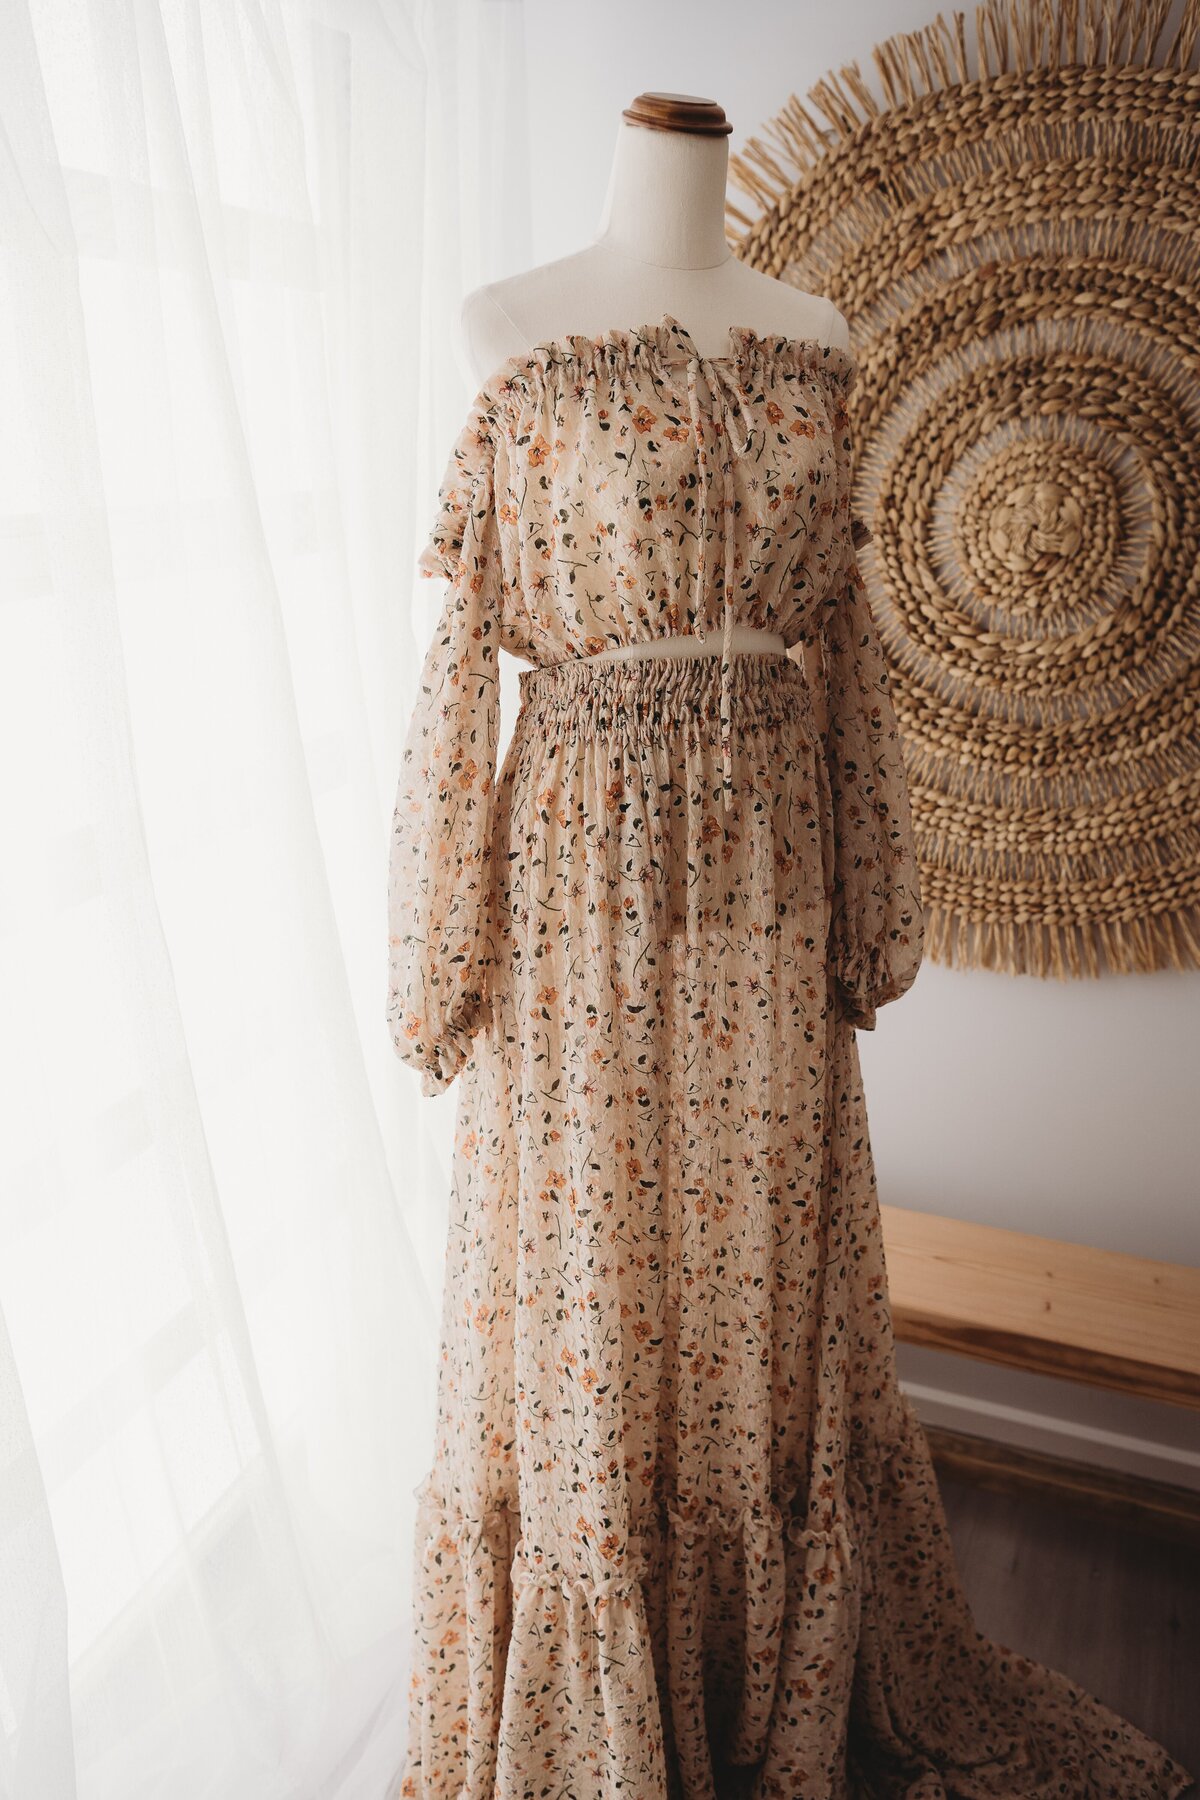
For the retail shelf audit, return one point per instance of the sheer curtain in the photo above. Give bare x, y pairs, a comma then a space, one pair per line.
233, 239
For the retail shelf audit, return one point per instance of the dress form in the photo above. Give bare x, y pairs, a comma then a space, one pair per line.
661, 248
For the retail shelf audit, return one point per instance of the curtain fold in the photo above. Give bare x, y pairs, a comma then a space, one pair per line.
228, 305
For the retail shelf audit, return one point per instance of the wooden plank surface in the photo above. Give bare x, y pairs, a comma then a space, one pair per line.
1038, 1303
1115, 1608
1152, 1506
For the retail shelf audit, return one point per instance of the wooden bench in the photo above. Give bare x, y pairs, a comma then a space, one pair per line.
1036, 1303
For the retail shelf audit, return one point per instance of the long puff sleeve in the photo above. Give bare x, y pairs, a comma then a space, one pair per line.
877, 925
441, 923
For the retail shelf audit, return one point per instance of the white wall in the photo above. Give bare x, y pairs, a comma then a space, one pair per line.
1068, 1109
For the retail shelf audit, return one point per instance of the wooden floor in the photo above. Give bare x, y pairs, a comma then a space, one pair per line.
1117, 1611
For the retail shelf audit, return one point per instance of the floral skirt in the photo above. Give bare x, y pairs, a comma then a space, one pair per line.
681, 1535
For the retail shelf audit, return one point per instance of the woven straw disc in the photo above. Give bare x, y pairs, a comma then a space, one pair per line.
1018, 257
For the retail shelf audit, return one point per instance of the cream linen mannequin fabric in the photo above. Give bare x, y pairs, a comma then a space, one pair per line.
681, 1535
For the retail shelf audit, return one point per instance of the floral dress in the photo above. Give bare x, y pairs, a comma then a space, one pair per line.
680, 1535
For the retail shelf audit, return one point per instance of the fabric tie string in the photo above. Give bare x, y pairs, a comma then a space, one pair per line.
729, 404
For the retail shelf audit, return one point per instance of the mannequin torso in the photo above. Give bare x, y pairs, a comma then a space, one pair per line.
661, 249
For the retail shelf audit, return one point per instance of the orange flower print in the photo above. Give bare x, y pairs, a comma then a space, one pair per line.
666, 1387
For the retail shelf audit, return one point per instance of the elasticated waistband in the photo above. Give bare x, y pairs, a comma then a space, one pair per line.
643, 695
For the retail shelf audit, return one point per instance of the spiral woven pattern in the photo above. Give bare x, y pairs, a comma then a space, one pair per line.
1014, 237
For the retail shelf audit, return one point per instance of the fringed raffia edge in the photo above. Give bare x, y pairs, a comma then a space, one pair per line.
1011, 42
1011, 38
1067, 951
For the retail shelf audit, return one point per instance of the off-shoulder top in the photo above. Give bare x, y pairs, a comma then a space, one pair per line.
616, 489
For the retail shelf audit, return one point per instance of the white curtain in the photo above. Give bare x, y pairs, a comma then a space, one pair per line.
234, 235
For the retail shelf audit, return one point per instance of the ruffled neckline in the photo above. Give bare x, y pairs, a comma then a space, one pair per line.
669, 343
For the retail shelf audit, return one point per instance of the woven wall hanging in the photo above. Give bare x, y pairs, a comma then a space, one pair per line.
1018, 259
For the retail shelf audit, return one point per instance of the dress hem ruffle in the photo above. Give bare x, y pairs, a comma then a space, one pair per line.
852, 1671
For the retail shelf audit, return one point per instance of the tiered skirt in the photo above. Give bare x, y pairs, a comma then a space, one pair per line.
681, 1536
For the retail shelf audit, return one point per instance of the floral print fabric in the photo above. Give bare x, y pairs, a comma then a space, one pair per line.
576, 513
680, 1535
